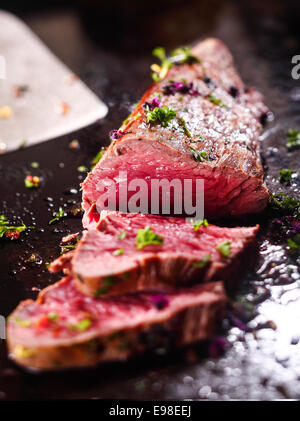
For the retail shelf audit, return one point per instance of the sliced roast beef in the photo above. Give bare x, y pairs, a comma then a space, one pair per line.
64, 328
214, 136
129, 252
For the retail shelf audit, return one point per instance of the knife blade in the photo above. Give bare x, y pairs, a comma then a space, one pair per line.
40, 98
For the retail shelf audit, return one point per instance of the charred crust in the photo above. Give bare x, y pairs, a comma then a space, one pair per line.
207, 80
120, 151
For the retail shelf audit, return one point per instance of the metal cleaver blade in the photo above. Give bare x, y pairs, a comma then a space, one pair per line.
40, 98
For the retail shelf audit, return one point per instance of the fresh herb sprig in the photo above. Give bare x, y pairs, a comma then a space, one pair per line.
159, 72
183, 55
199, 156
177, 56
293, 139
182, 123
294, 244
203, 262
215, 100
118, 252
81, 325
22, 323
5, 228
224, 248
97, 158
285, 175
82, 168
123, 235
146, 237
162, 115
107, 285
199, 223
284, 203
58, 215
64, 248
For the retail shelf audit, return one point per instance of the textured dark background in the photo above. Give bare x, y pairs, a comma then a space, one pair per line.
108, 44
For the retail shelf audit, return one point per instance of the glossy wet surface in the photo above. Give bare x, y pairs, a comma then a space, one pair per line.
262, 358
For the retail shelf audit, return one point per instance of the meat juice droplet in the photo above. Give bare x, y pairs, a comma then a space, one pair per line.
70, 191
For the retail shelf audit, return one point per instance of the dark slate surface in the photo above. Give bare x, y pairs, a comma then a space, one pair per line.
262, 358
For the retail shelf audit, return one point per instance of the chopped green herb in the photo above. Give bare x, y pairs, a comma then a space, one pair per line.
285, 175
285, 203
156, 95
146, 236
293, 139
97, 158
57, 215
224, 248
21, 352
160, 53
101, 291
202, 263
82, 325
33, 258
108, 283
162, 116
67, 247
199, 223
178, 56
3, 220
126, 120
155, 76
294, 243
159, 72
118, 252
122, 236
82, 168
99, 155
183, 55
198, 138
199, 155
182, 123
5, 229
53, 316
215, 100
137, 116
22, 323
